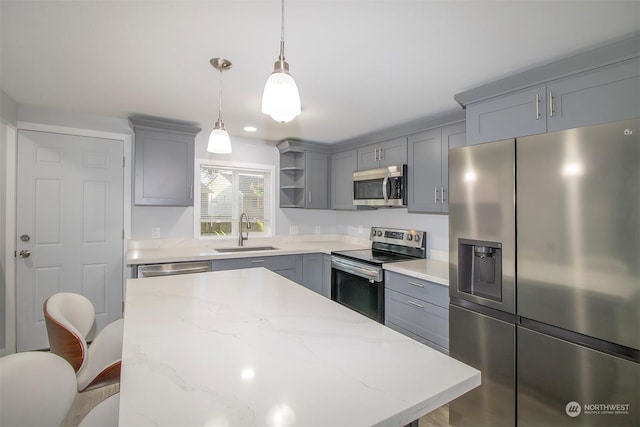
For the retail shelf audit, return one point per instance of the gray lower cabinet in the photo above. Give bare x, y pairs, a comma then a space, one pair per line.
163, 162
418, 309
428, 167
312, 268
386, 153
602, 95
285, 265
316, 273
343, 165
326, 275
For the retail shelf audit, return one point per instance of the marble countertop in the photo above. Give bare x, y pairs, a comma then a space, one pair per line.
182, 250
432, 270
162, 251
251, 348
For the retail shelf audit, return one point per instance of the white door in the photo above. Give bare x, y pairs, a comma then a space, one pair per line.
69, 227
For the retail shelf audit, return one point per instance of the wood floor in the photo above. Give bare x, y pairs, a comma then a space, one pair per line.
86, 401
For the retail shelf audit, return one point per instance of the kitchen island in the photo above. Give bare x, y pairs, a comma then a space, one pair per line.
251, 348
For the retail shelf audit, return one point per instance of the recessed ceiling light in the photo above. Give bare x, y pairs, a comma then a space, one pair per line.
250, 128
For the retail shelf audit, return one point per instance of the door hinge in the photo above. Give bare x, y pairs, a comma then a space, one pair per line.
123, 234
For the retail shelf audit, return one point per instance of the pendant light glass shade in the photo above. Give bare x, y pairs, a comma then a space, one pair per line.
280, 98
219, 141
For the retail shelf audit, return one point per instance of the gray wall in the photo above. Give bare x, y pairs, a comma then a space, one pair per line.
8, 116
436, 226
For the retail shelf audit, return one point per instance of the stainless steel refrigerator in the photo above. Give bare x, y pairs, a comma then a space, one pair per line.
544, 236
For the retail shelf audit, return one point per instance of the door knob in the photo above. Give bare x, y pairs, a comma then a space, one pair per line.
25, 253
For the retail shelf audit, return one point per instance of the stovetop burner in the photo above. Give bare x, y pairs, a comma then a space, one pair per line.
390, 245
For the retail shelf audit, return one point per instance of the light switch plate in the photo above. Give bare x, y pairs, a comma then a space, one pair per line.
293, 229
155, 232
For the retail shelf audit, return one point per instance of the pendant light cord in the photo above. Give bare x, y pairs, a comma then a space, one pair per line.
220, 106
281, 58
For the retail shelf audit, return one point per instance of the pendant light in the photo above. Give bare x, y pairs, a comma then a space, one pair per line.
219, 141
280, 98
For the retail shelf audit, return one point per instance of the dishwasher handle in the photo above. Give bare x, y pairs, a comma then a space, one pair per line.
156, 270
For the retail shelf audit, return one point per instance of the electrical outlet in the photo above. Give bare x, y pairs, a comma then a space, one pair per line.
318, 229
293, 229
155, 232
360, 228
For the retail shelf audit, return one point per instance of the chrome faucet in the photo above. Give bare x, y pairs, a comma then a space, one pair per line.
242, 238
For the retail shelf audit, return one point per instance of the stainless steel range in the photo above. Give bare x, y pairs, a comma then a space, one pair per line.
357, 277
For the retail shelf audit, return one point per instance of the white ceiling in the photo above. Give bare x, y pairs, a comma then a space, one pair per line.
361, 66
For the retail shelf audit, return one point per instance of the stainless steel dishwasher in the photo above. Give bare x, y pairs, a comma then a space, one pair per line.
172, 269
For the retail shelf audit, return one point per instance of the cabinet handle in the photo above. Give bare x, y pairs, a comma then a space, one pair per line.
191, 192
537, 107
420, 285
415, 303
375, 155
442, 192
258, 261
380, 153
435, 195
550, 104
309, 197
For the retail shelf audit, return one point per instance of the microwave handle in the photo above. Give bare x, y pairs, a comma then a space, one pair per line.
385, 183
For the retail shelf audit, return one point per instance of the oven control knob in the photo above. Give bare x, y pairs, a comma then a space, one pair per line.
373, 232
410, 237
417, 238
379, 233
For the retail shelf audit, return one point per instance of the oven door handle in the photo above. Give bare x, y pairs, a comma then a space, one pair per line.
373, 274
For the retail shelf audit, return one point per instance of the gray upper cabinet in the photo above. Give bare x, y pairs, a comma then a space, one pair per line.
516, 114
386, 153
428, 157
304, 177
343, 165
424, 169
601, 95
453, 136
163, 162
316, 180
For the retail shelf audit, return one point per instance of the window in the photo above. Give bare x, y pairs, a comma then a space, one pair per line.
227, 192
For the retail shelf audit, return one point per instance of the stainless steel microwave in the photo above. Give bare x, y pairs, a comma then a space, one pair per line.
382, 187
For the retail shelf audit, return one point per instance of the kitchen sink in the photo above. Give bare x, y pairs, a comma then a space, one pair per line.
245, 249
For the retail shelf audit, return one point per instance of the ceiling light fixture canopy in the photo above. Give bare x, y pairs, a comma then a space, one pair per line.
280, 98
219, 141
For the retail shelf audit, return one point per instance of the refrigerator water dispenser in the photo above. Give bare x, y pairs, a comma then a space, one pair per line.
480, 268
